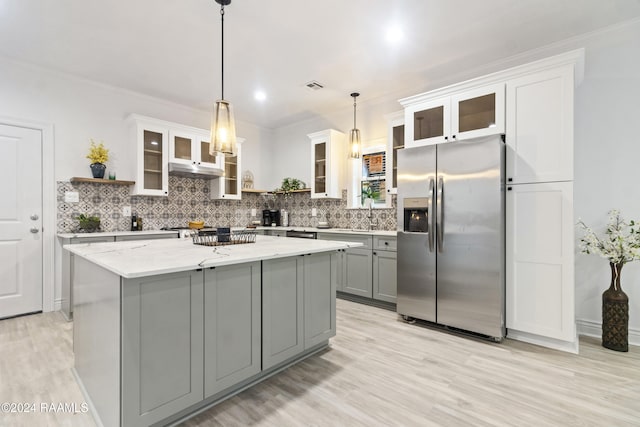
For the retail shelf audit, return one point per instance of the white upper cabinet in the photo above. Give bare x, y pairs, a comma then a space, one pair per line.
540, 126
433, 119
151, 153
328, 160
478, 112
427, 123
228, 185
191, 149
395, 142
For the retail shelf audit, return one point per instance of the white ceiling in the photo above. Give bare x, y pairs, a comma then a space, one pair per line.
171, 49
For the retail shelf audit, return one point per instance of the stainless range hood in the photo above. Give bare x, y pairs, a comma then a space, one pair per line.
194, 170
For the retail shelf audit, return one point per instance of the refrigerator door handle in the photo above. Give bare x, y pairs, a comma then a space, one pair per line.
430, 214
440, 214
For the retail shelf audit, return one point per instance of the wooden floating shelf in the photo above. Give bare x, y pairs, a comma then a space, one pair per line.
77, 179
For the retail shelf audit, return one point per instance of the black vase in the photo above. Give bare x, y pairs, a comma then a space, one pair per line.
97, 169
615, 313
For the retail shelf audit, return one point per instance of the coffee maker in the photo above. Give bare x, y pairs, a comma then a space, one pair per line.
270, 217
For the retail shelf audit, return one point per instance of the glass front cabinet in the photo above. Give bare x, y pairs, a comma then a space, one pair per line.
395, 142
464, 115
152, 174
328, 157
191, 148
228, 185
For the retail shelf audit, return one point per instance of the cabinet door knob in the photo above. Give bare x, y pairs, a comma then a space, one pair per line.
510, 179
453, 136
446, 138
386, 243
509, 188
375, 253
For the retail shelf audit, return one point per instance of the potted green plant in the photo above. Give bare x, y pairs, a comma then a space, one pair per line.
289, 185
88, 223
368, 193
98, 156
620, 245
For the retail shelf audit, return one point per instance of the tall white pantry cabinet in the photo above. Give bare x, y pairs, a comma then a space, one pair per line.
540, 284
532, 105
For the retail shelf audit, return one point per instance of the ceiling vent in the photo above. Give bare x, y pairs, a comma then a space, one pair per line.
313, 85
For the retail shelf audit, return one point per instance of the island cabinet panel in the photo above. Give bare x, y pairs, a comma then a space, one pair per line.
232, 317
319, 298
282, 309
162, 346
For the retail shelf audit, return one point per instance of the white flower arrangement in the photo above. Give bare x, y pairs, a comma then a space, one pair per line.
621, 243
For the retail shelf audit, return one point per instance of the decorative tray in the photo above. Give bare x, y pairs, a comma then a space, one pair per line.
234, 237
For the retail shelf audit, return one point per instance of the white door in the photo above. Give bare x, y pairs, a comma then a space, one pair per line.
20, 221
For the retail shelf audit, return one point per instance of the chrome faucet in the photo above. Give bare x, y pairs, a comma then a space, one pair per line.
372, 222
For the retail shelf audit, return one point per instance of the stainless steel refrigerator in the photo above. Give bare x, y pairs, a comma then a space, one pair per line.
451, 234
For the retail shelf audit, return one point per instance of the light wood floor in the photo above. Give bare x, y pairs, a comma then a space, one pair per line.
379, 371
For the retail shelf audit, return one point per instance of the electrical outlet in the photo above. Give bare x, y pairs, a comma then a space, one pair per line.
126, 211
71, 197
253, 212
314, 212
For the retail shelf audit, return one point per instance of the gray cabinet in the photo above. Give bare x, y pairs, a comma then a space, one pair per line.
232, 317
385, 281
298, 305
162, 346
319, 298
356, 272
354, 267
282, 309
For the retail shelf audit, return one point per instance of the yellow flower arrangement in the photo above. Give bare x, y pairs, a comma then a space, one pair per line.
97, 153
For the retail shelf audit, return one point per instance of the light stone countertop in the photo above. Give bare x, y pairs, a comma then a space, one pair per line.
115, 233
333, 230
296, 228
141, 258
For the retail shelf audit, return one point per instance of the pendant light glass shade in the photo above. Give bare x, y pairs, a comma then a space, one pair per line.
354, 136
223, 130
223, 125
354, 144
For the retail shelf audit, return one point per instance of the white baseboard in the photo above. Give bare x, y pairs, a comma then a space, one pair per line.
57, 304
594, 329
569, 347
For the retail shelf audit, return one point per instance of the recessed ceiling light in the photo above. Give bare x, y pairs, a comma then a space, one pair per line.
260, 95
394, 35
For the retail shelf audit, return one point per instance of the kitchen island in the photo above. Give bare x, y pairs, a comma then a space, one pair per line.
164, 328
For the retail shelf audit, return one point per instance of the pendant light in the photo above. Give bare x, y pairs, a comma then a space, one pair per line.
223, 126
354, 136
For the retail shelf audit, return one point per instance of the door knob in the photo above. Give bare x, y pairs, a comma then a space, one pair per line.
34, 217
34, 230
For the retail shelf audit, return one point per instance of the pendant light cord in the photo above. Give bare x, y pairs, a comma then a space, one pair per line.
354, 109
222, 50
